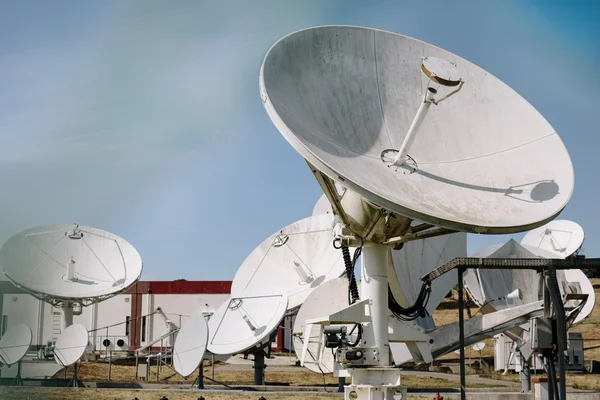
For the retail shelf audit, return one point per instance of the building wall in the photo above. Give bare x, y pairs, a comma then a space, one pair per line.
178, 300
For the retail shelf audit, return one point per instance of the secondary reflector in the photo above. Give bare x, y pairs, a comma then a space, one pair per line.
14, 344
190, 345
294, 260
71, 345
482, 161
70, 262
244, 322
561, 237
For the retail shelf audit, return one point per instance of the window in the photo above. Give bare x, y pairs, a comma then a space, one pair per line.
4, 324
127, 326
143, 329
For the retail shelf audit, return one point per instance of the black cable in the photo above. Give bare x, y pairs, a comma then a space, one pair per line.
359, 337
416, 310
349, 263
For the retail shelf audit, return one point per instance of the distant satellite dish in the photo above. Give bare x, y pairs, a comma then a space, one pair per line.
71, 345
583, 285
479, 346
190, 345
70, 262
323, 206
294, 260
560, 237
353, 103
244, 322
419, 257
330, 297
14, 344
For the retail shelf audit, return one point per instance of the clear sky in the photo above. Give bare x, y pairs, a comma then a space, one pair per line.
143, 118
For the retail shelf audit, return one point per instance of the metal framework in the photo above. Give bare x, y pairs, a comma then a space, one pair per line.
542, 265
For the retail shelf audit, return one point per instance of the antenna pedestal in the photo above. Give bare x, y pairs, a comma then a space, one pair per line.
381, 382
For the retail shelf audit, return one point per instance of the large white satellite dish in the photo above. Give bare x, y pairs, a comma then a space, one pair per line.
14, 344
561, 237
482, 161
244, 322
62, 263
330, 297
419, 257
190, 345
71, 345
295, 260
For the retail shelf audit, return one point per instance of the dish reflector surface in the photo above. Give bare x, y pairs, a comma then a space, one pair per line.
561, 237
14, 344
37, 260
323, 206
294, 260
190, 345
419, 257
330, 297
487, 161
71, 345
578, 277
244, 322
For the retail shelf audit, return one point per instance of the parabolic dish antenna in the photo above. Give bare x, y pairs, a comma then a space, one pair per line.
70, 262
190, 345
71, 345
419, 257
479, 346
14, 344
370, 109
244, 322
323, 206
561, 237
576, 277
493, 286
330, 297
294, 260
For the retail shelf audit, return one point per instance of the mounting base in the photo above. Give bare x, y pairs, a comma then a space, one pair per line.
375, 384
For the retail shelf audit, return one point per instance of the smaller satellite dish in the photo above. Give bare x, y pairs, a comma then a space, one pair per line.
14, 344
59, 263
577, 277
515, 294
457, 351
294, 260
190, 345
323, 206
561, 237
479, 346
244, 322
71, 345
330, 297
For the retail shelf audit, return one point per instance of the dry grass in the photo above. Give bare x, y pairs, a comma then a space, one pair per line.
301, 377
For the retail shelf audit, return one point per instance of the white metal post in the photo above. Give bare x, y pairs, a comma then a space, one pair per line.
374, 286
67, 316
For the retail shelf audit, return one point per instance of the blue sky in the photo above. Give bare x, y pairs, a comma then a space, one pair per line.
143, 117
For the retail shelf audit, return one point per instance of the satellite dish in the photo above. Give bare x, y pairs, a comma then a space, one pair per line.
14, 344
330, 297
479, 346
190, 345
561, 237
419, 257
498, 286
62, 263
71, 345
244, 322
577, 277
353, 102
294, 260
323, 206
